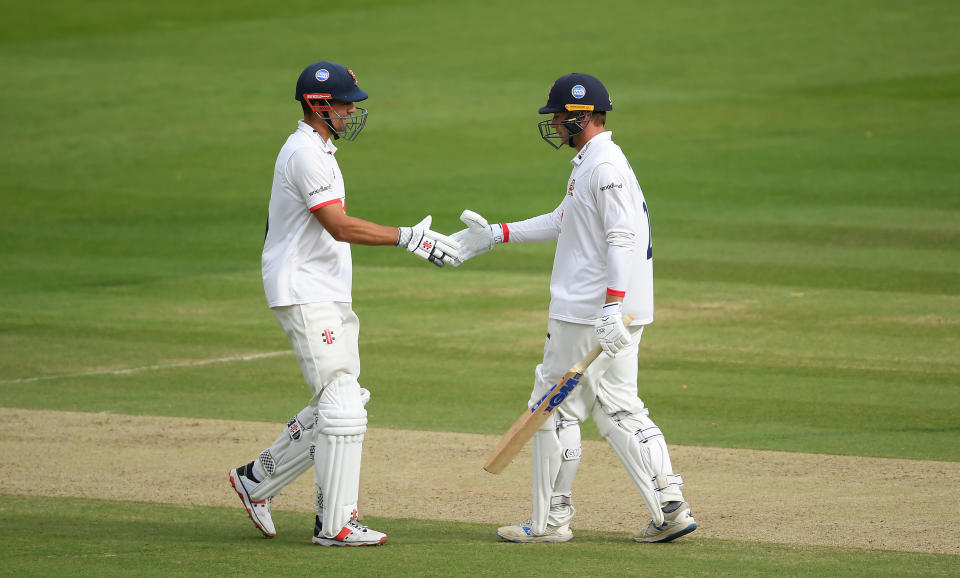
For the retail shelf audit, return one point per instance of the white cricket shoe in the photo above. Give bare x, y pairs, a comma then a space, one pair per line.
524, 533
353, 534
259, 511
675, 524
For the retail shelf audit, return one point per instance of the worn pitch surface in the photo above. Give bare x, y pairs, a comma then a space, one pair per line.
766, 496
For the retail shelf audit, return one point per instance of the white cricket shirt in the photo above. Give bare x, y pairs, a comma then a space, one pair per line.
602, 228
302, 262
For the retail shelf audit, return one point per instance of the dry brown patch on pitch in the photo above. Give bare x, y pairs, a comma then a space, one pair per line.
686, 310
917, 320
765, 496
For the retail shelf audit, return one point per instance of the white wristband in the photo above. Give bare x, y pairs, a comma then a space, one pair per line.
496, 230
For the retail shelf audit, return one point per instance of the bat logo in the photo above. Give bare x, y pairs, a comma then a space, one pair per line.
558, 397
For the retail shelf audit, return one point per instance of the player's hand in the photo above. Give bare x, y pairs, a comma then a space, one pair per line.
476, 239
430, 245
611, 332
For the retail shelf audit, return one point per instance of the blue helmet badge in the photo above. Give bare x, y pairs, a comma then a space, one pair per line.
578, 91
322, 75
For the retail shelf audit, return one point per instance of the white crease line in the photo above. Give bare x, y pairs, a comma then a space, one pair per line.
366, 342
150, 367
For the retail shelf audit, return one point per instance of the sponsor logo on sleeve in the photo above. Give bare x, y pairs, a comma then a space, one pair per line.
322, 189
611, 186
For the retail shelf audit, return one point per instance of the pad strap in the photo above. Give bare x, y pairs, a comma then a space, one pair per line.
662, 482
558, 500
643, 435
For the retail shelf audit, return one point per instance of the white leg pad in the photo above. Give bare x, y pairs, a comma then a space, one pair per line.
561, 500
288, 457
341, 424
556, 456
641, 448
291, 454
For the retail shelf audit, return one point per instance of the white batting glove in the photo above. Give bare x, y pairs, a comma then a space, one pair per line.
611, 332
430, 245
476, 239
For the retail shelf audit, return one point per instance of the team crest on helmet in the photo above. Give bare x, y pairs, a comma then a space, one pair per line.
578, 91
322, 75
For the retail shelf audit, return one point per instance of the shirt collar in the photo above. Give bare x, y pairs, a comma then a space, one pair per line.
604, 136
324, 145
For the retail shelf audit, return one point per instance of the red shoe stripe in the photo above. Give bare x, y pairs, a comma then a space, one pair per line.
343, 534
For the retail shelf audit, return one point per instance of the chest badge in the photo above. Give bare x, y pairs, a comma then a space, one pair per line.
570, 188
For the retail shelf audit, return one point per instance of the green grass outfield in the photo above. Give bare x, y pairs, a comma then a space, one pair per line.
99, 538
799, 160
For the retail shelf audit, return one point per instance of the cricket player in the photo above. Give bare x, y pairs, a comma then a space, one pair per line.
602, 270
307, 277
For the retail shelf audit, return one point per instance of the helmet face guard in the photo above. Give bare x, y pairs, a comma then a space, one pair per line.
572, 124
322, 105
578, 94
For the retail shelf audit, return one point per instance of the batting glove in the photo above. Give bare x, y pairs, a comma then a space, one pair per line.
430, 245
611, 332
476, 239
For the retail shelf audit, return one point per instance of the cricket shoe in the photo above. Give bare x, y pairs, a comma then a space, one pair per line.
259, 511
675, 524
524, 533
353, 534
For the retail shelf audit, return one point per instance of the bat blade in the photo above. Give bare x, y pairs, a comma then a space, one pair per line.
530, 421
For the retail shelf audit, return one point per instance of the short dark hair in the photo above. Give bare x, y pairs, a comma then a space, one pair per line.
601, 115
305, 107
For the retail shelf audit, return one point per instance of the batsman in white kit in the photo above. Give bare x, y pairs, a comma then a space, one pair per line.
307, 278
602, 270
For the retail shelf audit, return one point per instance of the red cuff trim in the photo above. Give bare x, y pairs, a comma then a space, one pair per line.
324, 204
615, 293
506, 232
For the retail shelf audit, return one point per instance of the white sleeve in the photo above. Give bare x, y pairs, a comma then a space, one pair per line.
618, 213
311, 179
544, 227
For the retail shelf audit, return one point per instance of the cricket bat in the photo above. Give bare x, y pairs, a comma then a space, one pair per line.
531, 420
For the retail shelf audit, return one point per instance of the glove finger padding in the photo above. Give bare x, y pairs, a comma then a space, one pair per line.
475, 240
430, 245
610, 330
436, 248
473, 220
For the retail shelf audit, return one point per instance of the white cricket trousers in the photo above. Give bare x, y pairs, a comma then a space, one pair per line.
324, 336
615, 389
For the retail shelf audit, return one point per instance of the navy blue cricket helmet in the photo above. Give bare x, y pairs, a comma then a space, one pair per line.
331, 78
580, 95
577, 91
323, 83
